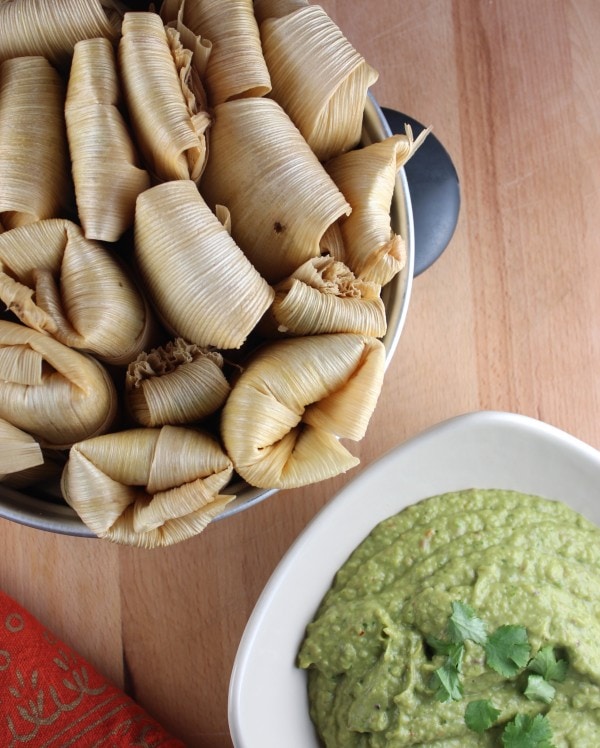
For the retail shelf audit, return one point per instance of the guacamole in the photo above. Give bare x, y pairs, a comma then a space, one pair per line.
516, 560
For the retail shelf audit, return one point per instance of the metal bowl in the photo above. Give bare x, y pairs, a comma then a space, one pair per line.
49, 512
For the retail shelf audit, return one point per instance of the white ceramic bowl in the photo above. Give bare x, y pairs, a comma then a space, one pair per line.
47, 511
268, 703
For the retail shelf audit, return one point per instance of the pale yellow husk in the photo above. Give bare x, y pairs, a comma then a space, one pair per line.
53, 392
236, 66
281, 422
174, 384
51, 28
332, 242
264, 9
367, 178
147, 487
167, 114
34, 166
203, 287
324, 296
282, 201
18, 449
191, 54
105, 164
318, 78
57, 281
44, 478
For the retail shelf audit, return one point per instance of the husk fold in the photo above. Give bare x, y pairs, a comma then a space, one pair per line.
105, 163
318, 78
204, 289
34, 166
51, 28
281, 199
147, 487
324, 296
281, 422
367, 178
18, 450
53, 392
57, 281
43, 478
175, 384
166, 109
236, 66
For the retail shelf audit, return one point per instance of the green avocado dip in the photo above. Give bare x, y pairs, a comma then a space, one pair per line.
379, 644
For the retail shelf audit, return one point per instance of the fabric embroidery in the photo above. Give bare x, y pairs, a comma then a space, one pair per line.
50, 697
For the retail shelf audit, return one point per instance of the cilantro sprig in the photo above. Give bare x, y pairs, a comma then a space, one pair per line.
538, 689
463, 624
480, 715
527, 732
546, 665
508, 652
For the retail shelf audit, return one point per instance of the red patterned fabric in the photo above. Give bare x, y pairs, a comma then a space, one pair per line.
51, 698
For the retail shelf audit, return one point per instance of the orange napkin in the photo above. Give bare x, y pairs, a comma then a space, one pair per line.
51, 698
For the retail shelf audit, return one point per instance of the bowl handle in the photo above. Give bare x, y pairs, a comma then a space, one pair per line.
434, 192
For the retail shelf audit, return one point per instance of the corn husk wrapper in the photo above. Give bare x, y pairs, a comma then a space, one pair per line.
264, 9
53, 392
203, 287
163, 97
281, 422
318, 78
332, 242
57, 281
192, 70
18, 450
282, 201
175, 384
51, 28
236, 66
105, 163
45, 476
147, 487
324, 296
34, 166
367, 178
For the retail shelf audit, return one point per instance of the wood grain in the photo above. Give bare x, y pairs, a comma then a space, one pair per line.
507, 319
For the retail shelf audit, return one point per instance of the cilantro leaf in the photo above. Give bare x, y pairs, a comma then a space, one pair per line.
464, 624
456, 654
546, 664
480, 715
527, 732
446, 680
507, 650
441, 646
539, 689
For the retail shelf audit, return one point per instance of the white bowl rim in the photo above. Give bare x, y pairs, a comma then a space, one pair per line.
491, 449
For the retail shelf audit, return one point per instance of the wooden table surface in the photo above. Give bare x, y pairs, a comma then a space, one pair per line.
507, 319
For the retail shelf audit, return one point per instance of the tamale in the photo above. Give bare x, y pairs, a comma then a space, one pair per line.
57, 281
294, 398
281, 199
105, 163
34, 165
52, 392
147, 487
318, 78
203, 287
175, 384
